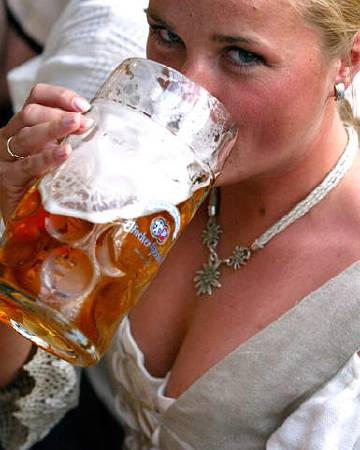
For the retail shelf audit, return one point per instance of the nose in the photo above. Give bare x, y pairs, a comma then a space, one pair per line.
200, 71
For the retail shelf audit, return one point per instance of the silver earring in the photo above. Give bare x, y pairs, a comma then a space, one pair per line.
339, 91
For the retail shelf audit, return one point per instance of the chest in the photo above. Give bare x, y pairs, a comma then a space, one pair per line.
248, 394
178, 331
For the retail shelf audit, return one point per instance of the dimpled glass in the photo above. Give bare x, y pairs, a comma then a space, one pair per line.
88, 238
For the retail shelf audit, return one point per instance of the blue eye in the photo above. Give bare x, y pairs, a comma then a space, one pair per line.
164, 36
243, 58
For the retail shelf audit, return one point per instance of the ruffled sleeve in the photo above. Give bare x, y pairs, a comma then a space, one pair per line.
44, 390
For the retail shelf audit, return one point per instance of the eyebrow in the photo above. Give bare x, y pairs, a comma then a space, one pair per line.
158, 19
223, 39
220, 38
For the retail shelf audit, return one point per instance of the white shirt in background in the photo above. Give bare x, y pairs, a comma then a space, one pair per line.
89, 39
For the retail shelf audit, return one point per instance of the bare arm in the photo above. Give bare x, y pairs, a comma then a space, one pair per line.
14, 351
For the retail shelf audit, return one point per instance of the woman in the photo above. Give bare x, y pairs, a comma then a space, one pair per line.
244, 367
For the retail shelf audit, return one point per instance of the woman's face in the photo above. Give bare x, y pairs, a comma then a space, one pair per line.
263, 61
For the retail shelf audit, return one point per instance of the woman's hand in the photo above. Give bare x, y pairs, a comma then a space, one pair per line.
49, 114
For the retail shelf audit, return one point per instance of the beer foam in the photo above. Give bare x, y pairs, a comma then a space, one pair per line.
127, 167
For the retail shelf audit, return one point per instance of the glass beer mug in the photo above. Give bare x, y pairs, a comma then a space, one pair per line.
86, 240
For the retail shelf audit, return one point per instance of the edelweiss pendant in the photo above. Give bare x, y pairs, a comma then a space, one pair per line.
240, 257
207, 279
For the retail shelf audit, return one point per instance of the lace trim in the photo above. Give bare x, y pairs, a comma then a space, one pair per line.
45, 389
12, 432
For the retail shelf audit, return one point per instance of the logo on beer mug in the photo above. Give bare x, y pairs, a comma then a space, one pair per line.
160, 230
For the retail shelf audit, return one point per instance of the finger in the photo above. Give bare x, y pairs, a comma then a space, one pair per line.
34, 114
24, 172
57, 97
37, 165
31, 140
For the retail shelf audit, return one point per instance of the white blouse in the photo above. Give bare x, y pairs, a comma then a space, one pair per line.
328, 420
139, 397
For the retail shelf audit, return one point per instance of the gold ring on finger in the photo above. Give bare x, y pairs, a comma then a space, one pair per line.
10, 152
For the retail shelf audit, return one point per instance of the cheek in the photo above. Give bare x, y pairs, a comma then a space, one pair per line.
253, 112
275, 126
276, 110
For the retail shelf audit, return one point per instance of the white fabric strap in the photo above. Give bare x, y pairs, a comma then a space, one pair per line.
316, 195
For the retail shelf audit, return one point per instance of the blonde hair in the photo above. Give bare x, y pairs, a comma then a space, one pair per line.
338, 22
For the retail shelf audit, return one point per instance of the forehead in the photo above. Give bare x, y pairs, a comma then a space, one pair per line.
274, 24
262, 13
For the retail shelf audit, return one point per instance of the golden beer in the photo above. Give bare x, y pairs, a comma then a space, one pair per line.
87, 239
89, 274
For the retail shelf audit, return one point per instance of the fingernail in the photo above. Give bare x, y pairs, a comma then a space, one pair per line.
70, 120
62, 152
86, 122
81, 104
